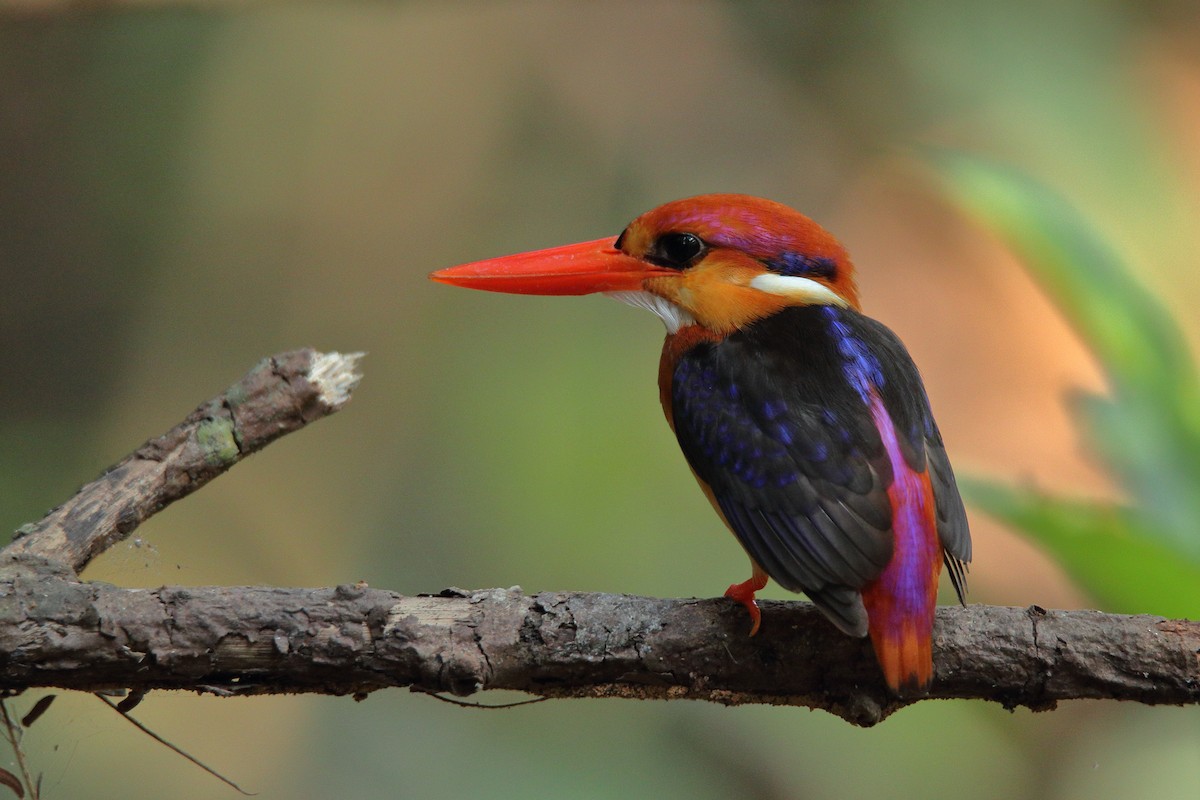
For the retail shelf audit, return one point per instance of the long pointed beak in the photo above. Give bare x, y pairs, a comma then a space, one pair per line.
581, 268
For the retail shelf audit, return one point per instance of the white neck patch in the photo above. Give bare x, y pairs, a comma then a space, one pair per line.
793, 287
672, 315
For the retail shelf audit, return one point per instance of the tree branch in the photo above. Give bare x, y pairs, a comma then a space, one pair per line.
280, 395
58, 631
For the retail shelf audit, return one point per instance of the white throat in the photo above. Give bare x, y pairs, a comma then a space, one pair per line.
672, 315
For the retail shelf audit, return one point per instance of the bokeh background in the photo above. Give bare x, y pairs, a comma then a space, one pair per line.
186, 188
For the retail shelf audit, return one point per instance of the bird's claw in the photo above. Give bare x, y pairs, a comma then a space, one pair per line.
744, 593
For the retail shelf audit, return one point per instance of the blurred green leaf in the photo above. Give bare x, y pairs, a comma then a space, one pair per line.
1105, 548
1129, 330
1149, 430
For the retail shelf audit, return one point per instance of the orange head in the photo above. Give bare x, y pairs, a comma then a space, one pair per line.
720, 261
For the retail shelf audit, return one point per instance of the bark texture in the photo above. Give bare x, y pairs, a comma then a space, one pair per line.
58, 631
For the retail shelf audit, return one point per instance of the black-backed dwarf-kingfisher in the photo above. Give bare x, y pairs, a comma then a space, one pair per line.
804, 421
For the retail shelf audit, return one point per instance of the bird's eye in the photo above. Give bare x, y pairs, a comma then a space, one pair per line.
678, 250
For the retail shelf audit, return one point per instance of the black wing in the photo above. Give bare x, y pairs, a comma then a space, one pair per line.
772, 420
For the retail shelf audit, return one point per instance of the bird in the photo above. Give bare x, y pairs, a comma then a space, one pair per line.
804, 421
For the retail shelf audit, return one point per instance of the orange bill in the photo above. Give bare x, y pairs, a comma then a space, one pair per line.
582, 268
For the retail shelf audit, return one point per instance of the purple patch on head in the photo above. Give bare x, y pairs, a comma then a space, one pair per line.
760, 228
799, 264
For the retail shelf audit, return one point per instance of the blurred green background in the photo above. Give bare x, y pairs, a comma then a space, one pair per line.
184, 190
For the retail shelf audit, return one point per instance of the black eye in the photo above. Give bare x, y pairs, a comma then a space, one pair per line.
678, 250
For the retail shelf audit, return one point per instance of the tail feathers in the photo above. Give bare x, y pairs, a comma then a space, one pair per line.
900, 603
906, 657
901, 629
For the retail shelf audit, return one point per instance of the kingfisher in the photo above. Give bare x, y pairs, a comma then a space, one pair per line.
804, 421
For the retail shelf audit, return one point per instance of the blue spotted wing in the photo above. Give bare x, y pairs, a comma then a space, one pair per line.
774, 420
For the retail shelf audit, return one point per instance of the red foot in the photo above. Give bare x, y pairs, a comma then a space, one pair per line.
744, 593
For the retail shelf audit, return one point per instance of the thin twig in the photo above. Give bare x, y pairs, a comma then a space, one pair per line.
12, 732
488, 706
174, 748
